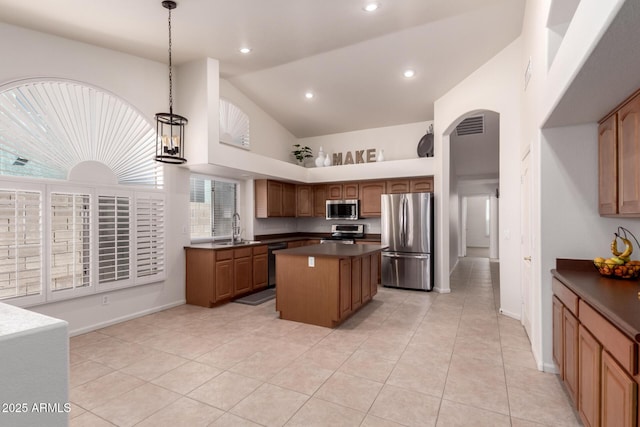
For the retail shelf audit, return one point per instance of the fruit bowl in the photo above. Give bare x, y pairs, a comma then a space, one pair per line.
629, 270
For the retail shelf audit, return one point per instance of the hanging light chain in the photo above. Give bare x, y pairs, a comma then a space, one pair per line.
170, 69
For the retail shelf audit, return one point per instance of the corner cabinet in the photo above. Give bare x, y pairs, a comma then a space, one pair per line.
619, 160
274, 199
598, 363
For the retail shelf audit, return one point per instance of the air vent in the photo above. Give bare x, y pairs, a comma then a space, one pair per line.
471, 126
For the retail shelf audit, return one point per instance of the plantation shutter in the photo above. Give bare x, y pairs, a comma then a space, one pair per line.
114, 238
70, 255
150, 211
20, 243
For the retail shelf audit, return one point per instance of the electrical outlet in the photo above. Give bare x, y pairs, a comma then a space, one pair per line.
312, 261
105, 299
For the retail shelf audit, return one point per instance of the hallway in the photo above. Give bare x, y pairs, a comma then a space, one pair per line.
407, 359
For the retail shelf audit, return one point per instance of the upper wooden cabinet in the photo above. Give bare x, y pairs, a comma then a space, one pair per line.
304, 200
619, 160
346, 191
319, 200
274, 199
410, 185
370, 198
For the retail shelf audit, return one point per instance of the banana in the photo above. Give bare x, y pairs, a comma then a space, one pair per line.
614, 246
628, 248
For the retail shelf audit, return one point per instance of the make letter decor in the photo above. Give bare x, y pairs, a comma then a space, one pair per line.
355, 157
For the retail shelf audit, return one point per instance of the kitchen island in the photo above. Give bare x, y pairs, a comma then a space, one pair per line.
326, 283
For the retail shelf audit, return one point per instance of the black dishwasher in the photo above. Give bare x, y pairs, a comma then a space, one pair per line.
272, 260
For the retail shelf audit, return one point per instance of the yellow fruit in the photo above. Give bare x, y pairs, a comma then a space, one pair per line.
610, 263
617, 260
598, 260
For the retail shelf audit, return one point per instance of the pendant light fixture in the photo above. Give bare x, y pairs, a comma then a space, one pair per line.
170, 142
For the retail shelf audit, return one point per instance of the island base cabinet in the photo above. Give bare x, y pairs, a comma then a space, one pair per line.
618, 396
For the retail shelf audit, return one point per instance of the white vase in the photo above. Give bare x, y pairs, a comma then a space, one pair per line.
327, 160
380, 157
320, 159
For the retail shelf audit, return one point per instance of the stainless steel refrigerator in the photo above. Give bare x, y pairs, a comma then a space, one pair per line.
407, 230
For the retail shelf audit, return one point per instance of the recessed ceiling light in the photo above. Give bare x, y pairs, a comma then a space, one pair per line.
370, 7
409, 73
309, 94
245, 50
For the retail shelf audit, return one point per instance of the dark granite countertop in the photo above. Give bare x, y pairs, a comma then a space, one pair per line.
616, 299
279, 238
335, 250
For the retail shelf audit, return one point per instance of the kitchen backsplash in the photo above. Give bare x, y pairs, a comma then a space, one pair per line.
310, 225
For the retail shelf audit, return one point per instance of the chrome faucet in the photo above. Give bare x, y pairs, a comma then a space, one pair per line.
235, 227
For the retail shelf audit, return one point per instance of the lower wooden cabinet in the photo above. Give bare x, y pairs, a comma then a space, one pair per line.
242, 274
365, 276
260, 267
618, 396
356, 283
570, 344
589, 351
224, 279
344, 289
558, 356
200, 274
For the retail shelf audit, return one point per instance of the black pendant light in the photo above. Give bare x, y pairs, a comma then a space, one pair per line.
170, 127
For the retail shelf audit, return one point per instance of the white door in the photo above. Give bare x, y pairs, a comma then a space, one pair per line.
525, 241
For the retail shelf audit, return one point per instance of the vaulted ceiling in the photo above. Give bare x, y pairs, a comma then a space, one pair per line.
353, 61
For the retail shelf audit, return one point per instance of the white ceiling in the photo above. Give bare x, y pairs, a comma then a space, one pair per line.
352, 60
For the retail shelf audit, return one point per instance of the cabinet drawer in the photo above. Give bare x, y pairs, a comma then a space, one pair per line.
224, 254
615, 342
257, 250
242, 253
568, 298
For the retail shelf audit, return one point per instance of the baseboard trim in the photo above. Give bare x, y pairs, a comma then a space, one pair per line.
125, 318
550, 368
509, 314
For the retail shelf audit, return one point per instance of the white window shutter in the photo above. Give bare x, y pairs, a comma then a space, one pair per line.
150, 235
114, 241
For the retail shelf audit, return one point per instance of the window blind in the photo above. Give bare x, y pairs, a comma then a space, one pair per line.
213, 204
114, 237
224, 206
20, 243
70, 257
150, 212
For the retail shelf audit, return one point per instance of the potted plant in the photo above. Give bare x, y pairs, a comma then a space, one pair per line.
301, 153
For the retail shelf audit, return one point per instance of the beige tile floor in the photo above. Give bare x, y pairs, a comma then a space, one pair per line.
406, 359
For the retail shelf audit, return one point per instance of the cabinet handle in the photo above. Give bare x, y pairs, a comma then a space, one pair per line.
527, 258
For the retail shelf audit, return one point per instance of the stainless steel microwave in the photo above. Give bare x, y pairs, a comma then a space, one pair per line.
343, 209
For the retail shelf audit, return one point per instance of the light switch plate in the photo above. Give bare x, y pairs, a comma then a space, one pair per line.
312, 261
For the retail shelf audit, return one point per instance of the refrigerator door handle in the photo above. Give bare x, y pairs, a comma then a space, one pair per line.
404, 221
396, 255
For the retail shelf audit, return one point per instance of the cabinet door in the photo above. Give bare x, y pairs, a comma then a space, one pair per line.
288, 200
398, 186
570, 334
242, 275
260, 271
629, 157
375, 273
365, 278
558, 339
304, 200
224, 279
274, 199
618, 395
608, 167
356, 283
350, 190
589, 351
334, 192
200, 277
421, 185
345, 288
370, 198
320, 200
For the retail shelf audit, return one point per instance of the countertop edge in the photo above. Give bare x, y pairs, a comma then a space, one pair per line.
610, 315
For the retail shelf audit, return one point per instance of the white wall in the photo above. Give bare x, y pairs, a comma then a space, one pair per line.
496, 86
138, 82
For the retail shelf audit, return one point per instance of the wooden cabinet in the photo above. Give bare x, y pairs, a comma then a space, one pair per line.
200, 271
356, 283
608, 166
224, 275
345, 191
421, 185
344, 302
260, 267
242, 271
319, 200
596, 360
398, 186
589, 351
375, 273
365, 278
618, 396
370, 198
304, 201
295, 244
619, 160
274, 199
570, 352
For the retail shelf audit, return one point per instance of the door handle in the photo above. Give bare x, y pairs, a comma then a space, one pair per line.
527, 258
